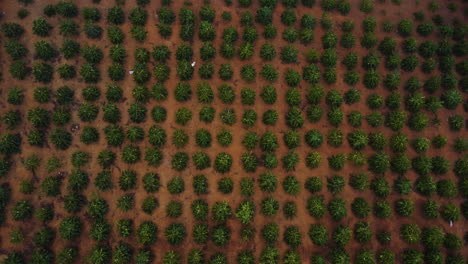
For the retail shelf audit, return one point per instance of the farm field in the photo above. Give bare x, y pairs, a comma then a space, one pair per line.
234, 131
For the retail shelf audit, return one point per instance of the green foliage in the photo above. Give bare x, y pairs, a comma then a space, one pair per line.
359, 181
93, 31
12, 30
410, 233
176, 185
450, 212
74, 202
151, 182
175, 233
362, 232
288, 54
292, 236
44, 237
70, 228
228, 116
335, 184
115, 34
422, 165
223, 162
337, 209
90, 73
147, 233
22, 210
41, 27
69, 28
395, 120
404, 207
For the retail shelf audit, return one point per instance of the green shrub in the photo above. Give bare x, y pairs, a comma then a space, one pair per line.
329, 40
103, 181
139, 33
404, 207
382, 210
199, 210
180, 161
137, 112
318, 234
44, 237
270, 161
292, 236
22, 13
269, 206
12, 30
380, 187
362, 232
357, 158
93, 31
221, 211
70, 228
450, 212
335, 184
135, 134
88, 112
201, 160
311, 74
359, 181
337, 161
446, 188
369, 40
200, 233
400, 164
74, 202
409, 63
226, 94
314, 113
410, 233
228, 116
69, 28
175, 233
22, 210
451, 98
395, 120
203, 138
410, 45
246, 51
371, 79
290, 161
19, 70
268, 182
430, 64
200, 184
347, 40
225, 185
225, 72
335, 117
223, 162
270, 232
288, 54
41, 27
116, 72
337, 209
115, 34
67, 255
250, 34
355, 118
144, 256
147, 233
341, 235
460, 145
